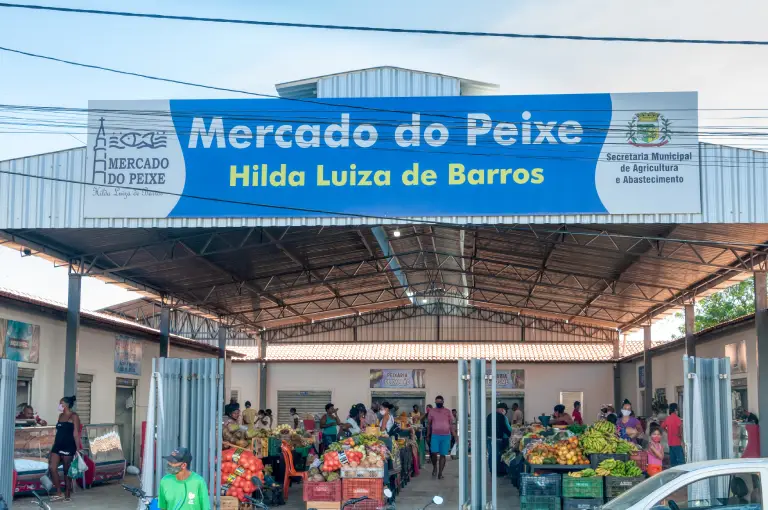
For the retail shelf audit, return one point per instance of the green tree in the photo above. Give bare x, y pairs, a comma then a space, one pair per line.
728, 304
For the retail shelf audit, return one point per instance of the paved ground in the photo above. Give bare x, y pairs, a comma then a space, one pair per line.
417, 494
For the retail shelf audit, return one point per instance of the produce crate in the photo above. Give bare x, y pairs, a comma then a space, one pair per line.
368, 504
358, 472
618, 485
641, 459
229, 503
596, 458
275, 443
358, 487
582, 504
323, 505
543, 485
539, 503
589, 488
322, 491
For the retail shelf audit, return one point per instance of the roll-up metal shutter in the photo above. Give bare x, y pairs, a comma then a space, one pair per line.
312, 402
83, 404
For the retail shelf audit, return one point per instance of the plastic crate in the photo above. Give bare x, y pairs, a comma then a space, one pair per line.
358, 472
229, 503
322, 491
368, 504
618, 485
596, 458
358, 487
582, 504
641, 459
324, 505
587, 488
544, 485
275, 443
539, 503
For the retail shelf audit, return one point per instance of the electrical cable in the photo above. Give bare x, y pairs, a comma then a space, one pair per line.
360, 28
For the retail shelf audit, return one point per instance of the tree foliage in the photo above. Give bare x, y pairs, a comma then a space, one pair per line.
725, 305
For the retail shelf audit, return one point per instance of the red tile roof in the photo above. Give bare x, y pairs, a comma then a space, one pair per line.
433, 351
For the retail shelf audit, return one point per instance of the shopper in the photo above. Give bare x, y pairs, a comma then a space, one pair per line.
655, 452
439, 434
231, 432
603, 414
295, 419
354, 421
454, 427
577, 413
66, 443
425, 427
372, 417
387, 421
517, 415
329, 423
180, 488
629, 427
270, 419
261, 420
416, 414
673, 426
503, 432
249, 415
560, 417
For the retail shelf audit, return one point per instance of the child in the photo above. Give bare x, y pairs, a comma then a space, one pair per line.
655, 452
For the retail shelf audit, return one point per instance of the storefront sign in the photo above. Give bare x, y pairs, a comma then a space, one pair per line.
128, 352
21, 341
413, 156
397, 378
507, 379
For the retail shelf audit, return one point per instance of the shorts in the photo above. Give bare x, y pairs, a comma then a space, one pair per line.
653, 469
440, 444
676, 456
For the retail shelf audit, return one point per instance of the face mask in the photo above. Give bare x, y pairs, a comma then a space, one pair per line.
172, 470
61, 408
656, 439
438, 405
626, 412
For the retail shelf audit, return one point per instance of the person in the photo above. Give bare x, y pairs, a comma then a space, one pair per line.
231, 430
503, 432
354, 421
577, 413
750, 417
66, 444
517, 415
387, 422
673, 426
372, 417
612, 418
249, 415
416, 415
270, 419
560, 417
655, 452
329, 423
439, 434
454, 427
363, 412
603, 414
180, 487
28, 413
295, 419
629, 427
261, 420
424, 427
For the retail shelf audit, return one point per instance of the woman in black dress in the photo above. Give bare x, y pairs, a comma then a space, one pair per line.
65, 446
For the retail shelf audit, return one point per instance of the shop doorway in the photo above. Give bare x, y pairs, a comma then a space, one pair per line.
403, 401
125, 417
506, 398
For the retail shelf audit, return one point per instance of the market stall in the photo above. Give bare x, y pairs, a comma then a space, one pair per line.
32, 446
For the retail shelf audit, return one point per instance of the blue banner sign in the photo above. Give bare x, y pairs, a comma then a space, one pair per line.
394, 157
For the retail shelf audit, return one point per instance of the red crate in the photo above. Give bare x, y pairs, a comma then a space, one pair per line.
358, 487
322, 491
368, 504
641, 459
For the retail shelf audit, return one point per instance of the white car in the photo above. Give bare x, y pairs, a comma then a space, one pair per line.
719, 484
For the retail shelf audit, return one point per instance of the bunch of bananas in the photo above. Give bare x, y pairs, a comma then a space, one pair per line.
597, 441
602, 472
618, 468
604, 426
584, 473
625, 447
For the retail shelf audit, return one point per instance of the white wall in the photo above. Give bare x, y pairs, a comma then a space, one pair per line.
668, 366
245, 379
95, 357
349, 382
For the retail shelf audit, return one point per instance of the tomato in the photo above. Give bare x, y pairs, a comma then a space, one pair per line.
228, 455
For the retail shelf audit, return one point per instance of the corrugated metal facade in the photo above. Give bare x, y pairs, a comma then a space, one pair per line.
387, 82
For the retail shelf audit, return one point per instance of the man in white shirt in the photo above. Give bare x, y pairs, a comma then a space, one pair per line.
517, 415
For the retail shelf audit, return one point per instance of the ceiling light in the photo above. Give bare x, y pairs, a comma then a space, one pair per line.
396, 233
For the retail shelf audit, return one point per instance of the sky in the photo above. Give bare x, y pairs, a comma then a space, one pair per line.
256, 58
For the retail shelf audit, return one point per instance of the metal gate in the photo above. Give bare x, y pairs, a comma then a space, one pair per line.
305, 402
8, 379
185, 409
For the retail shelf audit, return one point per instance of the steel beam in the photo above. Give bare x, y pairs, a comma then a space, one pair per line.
689, 312
165, 332
71, 347
648, 362
761, 330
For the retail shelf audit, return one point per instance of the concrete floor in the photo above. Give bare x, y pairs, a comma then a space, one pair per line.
417, 494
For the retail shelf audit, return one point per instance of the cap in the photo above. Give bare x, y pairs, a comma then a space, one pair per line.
179, 455
502, 405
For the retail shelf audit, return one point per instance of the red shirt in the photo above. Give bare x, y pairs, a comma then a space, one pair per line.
440, 418
673, 425
577, 417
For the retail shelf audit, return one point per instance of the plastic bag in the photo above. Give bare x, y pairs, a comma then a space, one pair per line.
77, 468
455, 451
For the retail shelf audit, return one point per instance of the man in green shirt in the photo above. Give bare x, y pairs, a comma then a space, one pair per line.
181, 489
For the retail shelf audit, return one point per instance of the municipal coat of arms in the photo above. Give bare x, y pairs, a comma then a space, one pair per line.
649, 129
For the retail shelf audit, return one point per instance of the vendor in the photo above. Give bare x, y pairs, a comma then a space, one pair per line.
28, 413
231, 430
560, 417
354, 421
577, 413
387, 421
331, 425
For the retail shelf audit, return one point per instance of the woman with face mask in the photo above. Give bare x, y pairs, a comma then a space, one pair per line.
628, 426
65, 446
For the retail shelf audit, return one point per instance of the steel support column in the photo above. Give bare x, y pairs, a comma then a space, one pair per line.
761, 327
617, 386
165, 331
462, 428
262, 373
223, 355
648, 361
690, 329
73, 327
477, 385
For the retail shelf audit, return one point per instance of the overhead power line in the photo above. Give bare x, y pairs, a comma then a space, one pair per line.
362, 28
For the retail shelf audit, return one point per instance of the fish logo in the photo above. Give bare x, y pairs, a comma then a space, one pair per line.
138, 140
649, 129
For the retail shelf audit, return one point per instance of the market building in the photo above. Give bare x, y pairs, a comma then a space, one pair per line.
360, 255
